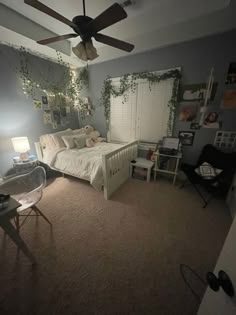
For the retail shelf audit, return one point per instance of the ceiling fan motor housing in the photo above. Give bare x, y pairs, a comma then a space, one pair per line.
81, 21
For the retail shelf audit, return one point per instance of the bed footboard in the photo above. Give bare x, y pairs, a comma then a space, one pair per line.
116, 167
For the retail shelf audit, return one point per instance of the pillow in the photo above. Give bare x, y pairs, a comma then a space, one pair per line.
80, 141
57, 137
79, 131
89, 143
69, 141
207, 171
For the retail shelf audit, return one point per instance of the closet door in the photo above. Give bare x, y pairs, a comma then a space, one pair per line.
152, 110
123, 118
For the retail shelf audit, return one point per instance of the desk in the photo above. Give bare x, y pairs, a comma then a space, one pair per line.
5, 222
158, 168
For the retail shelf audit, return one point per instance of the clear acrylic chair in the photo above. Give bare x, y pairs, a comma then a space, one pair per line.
27, 189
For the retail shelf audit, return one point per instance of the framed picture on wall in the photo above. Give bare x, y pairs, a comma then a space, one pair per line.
186, 137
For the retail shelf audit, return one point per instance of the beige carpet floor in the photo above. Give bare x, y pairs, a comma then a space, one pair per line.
112, 257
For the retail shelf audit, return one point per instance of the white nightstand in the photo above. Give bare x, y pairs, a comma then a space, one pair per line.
142, 163
158, 166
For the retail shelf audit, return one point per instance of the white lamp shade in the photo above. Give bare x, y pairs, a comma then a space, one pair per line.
20, 144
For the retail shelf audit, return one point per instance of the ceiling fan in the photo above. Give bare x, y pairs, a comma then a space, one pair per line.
87, 27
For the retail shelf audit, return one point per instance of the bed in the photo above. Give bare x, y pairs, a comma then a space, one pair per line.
105, 165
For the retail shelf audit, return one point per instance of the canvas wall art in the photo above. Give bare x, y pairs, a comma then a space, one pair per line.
188, 111
196, 92
231, 76
229, 99
211, 120
186, 137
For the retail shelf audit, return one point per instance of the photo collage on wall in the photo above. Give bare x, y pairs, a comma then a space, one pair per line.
55, 116
192, 110
191, 106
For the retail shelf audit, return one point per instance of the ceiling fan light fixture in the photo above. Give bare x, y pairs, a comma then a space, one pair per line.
91, 51
85, 51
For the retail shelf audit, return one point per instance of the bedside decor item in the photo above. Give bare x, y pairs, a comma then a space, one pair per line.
186, 137
21, 145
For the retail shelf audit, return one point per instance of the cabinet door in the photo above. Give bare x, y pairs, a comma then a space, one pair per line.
231, 198
218, 303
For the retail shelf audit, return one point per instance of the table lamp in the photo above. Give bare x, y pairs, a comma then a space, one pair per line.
21, 145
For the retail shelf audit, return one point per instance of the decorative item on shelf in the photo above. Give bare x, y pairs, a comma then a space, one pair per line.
186, 137
21, 145
129, 81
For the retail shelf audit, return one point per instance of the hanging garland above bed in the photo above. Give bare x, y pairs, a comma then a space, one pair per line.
64, 91
129, 81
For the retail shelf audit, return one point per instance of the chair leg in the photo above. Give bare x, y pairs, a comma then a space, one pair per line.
36, 209
17, 223
184, 184
206, 202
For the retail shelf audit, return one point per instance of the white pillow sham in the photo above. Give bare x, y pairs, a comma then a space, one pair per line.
57, 137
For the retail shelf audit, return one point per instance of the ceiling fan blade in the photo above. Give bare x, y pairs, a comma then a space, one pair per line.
45, 9
114, 42
56, 39
110, 16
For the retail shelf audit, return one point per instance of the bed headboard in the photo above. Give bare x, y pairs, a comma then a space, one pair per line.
39, 151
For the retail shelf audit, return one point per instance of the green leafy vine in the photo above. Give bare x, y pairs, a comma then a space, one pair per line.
61, 93
129, 81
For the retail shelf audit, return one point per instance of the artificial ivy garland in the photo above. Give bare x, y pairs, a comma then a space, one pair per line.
65, 93
128, 81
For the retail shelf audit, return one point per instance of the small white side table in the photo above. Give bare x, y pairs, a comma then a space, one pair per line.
142, 163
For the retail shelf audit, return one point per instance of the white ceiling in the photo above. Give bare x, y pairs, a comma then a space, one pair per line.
150, 24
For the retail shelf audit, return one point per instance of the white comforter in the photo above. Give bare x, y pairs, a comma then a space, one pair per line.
84, 163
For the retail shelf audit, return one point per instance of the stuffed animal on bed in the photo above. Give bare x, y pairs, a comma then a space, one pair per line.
88, 129
93, 134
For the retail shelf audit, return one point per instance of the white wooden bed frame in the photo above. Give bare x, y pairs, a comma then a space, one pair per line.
115, 166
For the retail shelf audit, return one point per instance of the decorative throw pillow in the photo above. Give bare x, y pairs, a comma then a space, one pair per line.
69, 141
80, 141
57, 137
90, 143
207, 171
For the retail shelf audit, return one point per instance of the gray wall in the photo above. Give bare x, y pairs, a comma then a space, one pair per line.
17, 115
196, 59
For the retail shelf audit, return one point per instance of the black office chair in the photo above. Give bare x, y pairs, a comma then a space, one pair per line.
218, 185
